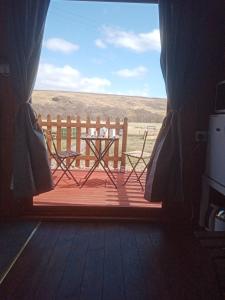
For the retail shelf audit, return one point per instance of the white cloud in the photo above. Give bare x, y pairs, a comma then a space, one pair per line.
67, 78
100, 44
132, 73
61, 45
137, 42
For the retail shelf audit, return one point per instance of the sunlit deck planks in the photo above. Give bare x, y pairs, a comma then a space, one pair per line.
98, 191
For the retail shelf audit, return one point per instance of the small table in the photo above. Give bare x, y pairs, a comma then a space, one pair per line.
100, 153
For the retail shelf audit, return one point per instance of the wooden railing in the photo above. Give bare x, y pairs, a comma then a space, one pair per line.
68, 137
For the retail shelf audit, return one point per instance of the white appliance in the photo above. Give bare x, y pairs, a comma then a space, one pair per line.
213, 181
215, 166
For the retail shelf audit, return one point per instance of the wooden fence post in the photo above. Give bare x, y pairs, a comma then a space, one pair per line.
98, 132
124, 144
59, 133
107, 125
49, 123
87, 152
78, 136
49, 127
116, 147
68, 137
39, 120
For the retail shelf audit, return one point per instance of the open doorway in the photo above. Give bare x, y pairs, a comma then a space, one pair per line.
99, 69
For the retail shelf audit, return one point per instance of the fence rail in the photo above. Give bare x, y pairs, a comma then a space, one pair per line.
69, 132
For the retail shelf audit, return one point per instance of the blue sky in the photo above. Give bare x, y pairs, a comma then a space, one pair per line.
102, 48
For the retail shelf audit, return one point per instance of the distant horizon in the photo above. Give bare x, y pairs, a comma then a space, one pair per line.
94, 93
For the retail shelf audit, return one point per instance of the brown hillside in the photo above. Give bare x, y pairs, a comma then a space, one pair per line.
137, 109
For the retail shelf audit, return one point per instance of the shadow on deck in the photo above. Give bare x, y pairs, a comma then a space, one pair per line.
98, 191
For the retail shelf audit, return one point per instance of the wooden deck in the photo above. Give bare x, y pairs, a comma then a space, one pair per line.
98, 191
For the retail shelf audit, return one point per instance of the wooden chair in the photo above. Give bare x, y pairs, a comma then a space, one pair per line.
60, 157
138, 156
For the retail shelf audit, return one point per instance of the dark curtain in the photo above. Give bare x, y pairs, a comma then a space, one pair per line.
188, 60
31, 172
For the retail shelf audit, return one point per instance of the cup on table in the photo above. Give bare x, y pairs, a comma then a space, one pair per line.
92, 132
103, 132
112, 133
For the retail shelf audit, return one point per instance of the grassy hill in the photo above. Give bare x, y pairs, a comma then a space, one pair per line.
137, 109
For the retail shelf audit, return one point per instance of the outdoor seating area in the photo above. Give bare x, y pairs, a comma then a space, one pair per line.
91, 158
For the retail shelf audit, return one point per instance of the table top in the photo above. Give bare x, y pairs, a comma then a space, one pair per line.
99, 138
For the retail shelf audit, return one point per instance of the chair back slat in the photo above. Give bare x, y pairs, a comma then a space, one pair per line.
48, 135
53, 143
144, 143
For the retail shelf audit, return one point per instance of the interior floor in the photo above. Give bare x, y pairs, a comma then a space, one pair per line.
13, 235
113, 261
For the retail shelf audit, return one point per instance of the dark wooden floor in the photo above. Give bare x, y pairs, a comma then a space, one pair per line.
13, 235
111, 262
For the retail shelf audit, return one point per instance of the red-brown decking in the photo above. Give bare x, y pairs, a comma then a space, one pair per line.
98, 191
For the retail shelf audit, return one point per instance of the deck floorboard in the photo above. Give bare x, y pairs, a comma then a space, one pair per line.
98, 191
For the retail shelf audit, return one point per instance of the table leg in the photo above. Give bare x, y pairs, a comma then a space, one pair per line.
99, 160
106, 167
100, 156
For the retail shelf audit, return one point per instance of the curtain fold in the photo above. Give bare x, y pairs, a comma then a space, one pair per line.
185, 63
164, 178
31, 171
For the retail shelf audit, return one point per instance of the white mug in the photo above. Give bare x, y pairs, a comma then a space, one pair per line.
113, 132
92, 132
